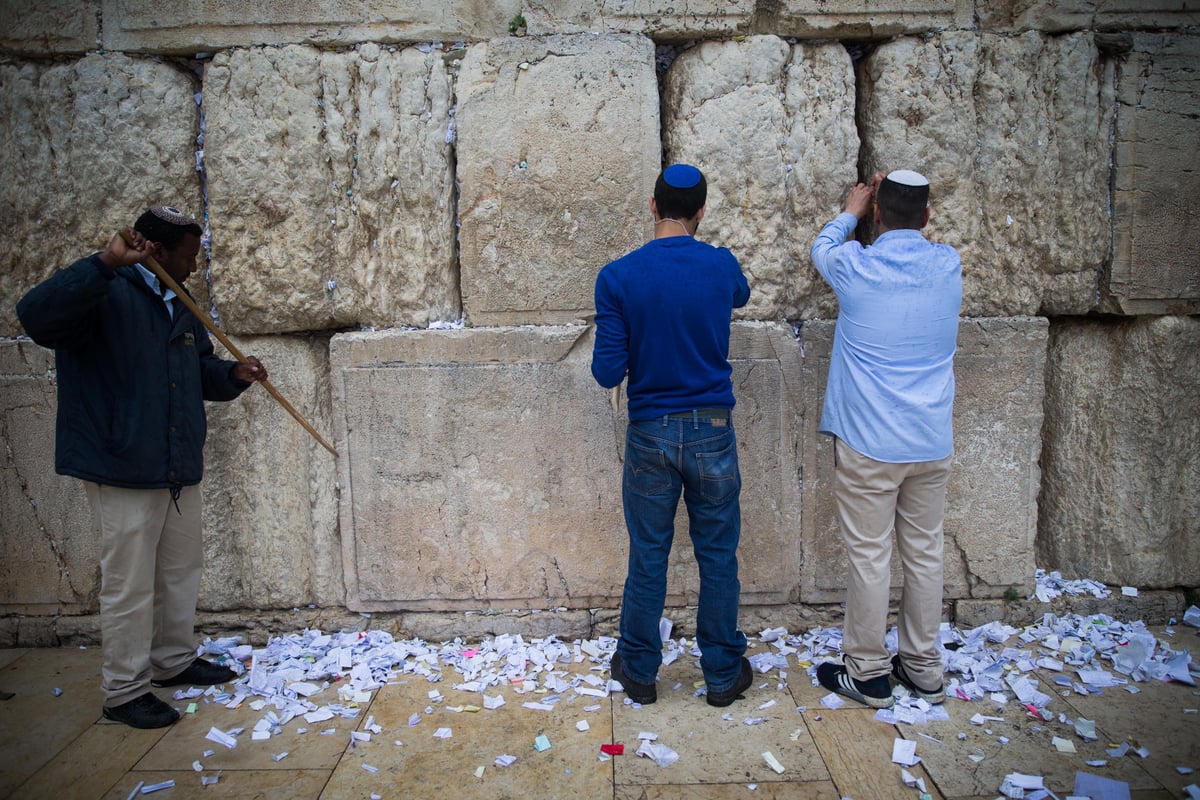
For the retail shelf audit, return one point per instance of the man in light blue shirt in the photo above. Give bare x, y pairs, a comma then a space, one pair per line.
889, 401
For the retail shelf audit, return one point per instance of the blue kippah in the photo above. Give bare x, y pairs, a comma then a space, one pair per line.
681, 176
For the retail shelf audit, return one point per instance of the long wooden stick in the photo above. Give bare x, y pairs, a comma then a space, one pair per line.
158, 270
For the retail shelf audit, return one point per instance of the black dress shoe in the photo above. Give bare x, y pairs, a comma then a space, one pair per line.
143, 711
198, 673
744, 679
642, 693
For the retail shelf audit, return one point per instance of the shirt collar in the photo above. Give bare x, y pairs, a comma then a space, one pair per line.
152, 281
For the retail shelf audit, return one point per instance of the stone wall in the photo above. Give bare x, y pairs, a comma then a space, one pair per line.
408, 204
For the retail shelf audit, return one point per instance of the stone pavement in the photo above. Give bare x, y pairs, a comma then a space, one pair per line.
54, 745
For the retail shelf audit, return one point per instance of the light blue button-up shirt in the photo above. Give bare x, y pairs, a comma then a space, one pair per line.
153, 282
890, 393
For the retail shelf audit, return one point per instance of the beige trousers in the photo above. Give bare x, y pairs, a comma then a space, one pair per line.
150, 562
873, 499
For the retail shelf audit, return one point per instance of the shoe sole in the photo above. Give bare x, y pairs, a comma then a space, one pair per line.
846, 689
901, 676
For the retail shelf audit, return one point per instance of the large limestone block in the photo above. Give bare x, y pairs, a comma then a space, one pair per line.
558, 152
1013, 133
1054, 16
270, 489
854, 19
1157, 178
991, 512
330, 188
150, 26
1121, 494
481, 469
49, 550
43, 27
773, 185
664, 20
85, 147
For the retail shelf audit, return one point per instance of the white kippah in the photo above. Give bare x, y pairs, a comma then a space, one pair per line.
906, 177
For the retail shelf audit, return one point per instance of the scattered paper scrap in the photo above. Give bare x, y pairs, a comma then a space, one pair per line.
541, 743
220, 737
613, 749
904, 752
505, 761
773, 762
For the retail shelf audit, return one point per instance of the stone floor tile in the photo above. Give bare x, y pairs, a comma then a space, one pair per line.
1029, 750
446, 767
807, 790
713, 750
268, 784
34, 724
92, 763
10, 655
858, 753
185, 742
1155, 719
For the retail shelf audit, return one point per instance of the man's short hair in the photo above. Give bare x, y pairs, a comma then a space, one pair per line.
902, 199
166, 226
680, 192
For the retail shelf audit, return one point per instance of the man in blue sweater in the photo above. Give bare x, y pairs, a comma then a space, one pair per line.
662, 317
134, 369
889, 401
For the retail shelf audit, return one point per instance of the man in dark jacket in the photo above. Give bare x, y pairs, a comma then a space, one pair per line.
134, 369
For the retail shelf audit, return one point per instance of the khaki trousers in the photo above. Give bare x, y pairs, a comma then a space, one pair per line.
873, 499
150, 562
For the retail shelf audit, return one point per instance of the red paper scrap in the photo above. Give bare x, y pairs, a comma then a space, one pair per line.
613, 749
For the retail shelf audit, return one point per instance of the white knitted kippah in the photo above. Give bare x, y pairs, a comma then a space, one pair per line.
172, 215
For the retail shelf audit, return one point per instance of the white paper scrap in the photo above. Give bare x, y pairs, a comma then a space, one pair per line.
582, 725
773, 762
220, 737
505, 760
443, 733
832, 701
658, 752
209, 780
154, 787
370, 768
904, 752
197, 766
647, 736
493, 702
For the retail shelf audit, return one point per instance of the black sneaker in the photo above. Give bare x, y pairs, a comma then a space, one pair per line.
744, 679
143, 711
934, 696
643, 693
876, 693
198, 673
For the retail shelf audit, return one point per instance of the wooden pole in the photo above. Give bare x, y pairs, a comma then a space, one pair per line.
158, 270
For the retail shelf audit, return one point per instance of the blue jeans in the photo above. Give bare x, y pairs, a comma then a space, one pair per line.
698, 457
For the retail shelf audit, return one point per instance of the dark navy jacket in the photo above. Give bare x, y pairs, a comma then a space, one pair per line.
132, 381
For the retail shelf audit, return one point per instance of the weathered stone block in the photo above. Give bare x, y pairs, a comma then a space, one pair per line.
149, 26
270, 496
482, 470
1057, 16
1156, 190
49, 550
848, 19
270, 503
80, 159
984, 117
771, 187
330, 188
991, 513
558, 152
42, 27
1121, 493
662, 19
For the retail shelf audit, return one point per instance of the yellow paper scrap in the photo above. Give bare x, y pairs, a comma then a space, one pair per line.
1063, 745
479, 772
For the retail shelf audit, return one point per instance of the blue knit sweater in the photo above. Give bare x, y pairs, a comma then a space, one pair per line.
662, 315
